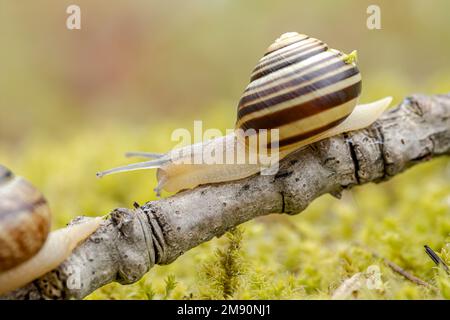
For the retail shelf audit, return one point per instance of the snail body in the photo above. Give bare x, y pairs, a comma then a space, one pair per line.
301, 88
27, 249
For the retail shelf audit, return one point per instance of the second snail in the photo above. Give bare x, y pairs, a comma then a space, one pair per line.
301, 87
28, 249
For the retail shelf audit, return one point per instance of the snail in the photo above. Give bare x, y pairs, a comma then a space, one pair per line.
300, 87
27, 249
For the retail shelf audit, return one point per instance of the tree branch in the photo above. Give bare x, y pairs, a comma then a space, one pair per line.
132, 241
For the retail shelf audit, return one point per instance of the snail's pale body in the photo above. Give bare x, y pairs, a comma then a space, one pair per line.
56, 249
27, 249
301, 88
181, 172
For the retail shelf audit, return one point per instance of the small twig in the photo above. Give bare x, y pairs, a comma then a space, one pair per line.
407, 275
436, 259
396, 268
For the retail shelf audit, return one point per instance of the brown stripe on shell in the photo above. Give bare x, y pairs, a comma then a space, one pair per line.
293, 81
303, 110
287, 62
13, 206
268, 80
288, 52
316, 104
272, 49
23, 238
284, 143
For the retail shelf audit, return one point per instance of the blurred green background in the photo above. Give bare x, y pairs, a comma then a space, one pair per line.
72, 102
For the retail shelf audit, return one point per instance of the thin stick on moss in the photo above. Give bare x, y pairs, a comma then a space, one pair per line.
397, 269
133, 240
407, 275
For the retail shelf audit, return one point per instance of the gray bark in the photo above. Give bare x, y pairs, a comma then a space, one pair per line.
132, 241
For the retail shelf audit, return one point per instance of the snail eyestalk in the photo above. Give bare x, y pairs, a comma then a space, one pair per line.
135, 166
151, 155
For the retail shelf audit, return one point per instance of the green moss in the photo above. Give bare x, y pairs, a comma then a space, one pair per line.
221, 274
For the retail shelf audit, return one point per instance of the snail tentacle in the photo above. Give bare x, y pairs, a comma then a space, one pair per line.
160, 186
151, 155
135, 166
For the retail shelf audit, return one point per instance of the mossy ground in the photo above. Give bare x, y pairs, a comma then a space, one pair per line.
306, 256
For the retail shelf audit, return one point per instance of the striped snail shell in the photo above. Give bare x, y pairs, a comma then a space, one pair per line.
301, 87
24, 220
27, 249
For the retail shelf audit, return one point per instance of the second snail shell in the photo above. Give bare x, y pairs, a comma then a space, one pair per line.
301, 87
27, 249
25, 220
